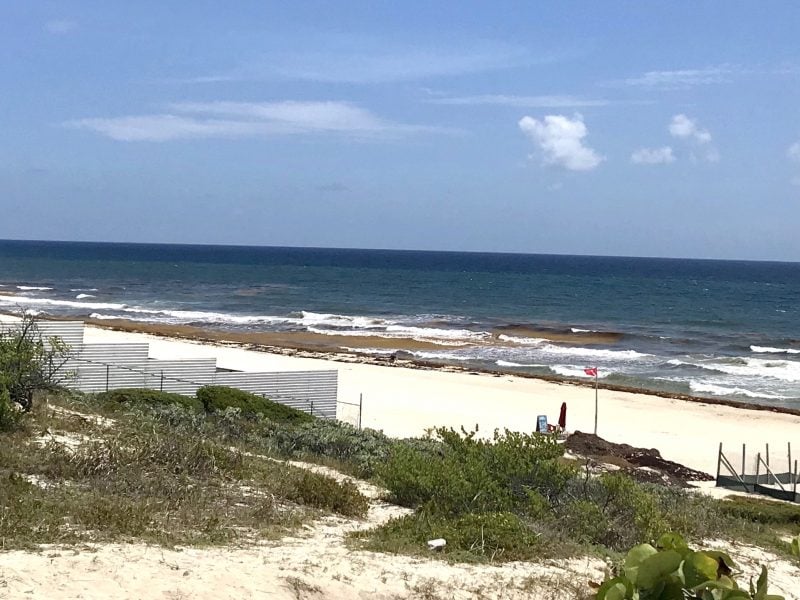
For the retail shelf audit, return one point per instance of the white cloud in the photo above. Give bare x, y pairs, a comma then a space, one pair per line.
653, 156
368, 60
520, 101
189, 120
681, 78
560, 140
682, 127
60, 26
793, 152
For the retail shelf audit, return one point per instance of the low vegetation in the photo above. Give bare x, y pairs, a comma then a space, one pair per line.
70, 477
217, 399
174, 469
673, 571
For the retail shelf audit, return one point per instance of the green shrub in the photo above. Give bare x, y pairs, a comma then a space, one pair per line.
761, 511
469, 474
360, 451
146, 397
10, 416
216, 398
321, 491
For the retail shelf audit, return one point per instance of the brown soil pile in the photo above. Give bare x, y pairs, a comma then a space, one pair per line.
642, 464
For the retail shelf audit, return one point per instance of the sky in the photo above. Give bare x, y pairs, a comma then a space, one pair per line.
610, 128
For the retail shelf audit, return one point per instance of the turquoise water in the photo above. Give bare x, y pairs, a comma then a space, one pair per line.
711, 328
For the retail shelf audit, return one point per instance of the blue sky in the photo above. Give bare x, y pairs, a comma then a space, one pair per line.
622, 128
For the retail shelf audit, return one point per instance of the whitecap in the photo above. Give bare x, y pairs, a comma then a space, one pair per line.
81, 296
508, 363
64, 303
769, 350
593, 353
523, 341
33, 288
719, 390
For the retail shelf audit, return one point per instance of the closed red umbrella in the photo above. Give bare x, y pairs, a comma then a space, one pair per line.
562, 417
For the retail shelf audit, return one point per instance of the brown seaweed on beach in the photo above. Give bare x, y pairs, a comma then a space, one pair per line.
643, 464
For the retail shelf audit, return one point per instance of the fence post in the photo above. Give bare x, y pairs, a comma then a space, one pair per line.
161, 389
744, 454
312, 408
795, 481
360, 409
719, 461
108, 367
767, 454
758, 469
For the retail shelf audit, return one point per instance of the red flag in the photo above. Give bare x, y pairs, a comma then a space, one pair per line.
591, 371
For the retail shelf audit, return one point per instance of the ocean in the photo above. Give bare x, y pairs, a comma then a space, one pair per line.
717, 329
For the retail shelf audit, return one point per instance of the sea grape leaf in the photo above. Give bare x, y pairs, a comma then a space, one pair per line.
726, 564
699, 567
655, 568
614, 589
673, 541
634, 558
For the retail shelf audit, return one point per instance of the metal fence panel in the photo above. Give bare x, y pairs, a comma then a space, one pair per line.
70, 332
310, 391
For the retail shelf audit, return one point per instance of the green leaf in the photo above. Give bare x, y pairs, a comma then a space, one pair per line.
614, 589
699, 567
761, 585
634, 558
654, 569
672, 541
726, 564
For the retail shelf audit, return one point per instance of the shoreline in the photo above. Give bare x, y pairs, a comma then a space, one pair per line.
287, 345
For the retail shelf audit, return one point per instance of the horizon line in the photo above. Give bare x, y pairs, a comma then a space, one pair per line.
407, 250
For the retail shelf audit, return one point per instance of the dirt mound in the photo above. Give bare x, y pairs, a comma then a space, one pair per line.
644, 464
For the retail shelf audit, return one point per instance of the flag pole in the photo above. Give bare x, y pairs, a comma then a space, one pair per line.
595, 400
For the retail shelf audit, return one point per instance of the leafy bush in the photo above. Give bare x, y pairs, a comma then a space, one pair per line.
469, 474
672, 571
28, 364
145, 397
360, 451
217, 398
761, 511
320, 491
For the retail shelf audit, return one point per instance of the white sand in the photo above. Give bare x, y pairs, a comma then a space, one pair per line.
401, 401
405, 402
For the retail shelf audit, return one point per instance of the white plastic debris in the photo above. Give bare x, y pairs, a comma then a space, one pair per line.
437, 544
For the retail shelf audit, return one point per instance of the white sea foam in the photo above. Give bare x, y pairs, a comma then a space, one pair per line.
83, 289
33, 288
577, 330
332, 320
593, 353
768, 350
573, 371
379, 351
63, 303
423, 354
508, 363
81, 296
785, 370
523, 341
720, 390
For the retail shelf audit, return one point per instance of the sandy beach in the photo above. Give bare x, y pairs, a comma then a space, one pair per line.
406, 401
318, 563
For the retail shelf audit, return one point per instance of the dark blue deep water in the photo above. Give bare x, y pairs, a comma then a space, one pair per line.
710, 328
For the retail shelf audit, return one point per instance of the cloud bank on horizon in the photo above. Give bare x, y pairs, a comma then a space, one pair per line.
481, 106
